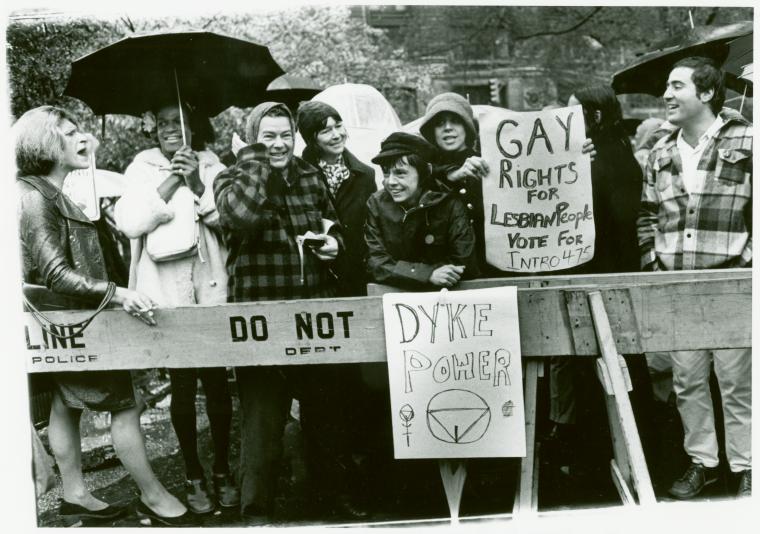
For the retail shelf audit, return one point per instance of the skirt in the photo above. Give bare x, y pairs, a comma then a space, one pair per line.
105, 391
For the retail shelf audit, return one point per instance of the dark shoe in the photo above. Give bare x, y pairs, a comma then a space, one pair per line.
347, 508
227, 495
253, 516
184, 520
72, 514
745, 484
198, 500
693, 481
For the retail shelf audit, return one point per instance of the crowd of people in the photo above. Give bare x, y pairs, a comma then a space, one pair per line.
682, 201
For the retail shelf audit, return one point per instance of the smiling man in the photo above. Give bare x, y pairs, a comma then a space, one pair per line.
265, 201
696, 213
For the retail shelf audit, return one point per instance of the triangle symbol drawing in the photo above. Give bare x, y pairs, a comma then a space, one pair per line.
458, 425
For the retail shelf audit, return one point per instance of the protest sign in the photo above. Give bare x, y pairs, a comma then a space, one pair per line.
537, 196
455, 373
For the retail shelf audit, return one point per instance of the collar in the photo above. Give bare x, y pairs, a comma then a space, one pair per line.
67, 208
44, 186
708, 134
155, 158
340, 163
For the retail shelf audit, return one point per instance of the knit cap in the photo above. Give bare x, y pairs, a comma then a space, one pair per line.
454, 103
312, 116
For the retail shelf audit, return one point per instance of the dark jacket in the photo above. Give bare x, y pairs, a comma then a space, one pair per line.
59, 244
616, 182
470, 192
406, 247
350, 202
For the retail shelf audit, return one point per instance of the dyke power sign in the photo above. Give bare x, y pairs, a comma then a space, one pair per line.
455, 373
537, 197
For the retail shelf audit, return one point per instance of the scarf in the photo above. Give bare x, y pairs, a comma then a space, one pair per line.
336, 173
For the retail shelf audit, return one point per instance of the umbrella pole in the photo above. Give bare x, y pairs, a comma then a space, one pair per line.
744, 95
181, 114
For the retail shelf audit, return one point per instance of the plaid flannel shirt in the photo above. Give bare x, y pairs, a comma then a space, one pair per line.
260, 229
708, 229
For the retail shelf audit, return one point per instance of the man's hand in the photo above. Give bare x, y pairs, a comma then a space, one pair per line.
328, 251
185, 164
589, 148
446, 275
473, 167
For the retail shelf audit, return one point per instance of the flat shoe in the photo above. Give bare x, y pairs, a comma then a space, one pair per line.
184, 520
68, 509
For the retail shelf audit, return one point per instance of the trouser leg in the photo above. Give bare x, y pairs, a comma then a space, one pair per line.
691, 383
183, 415
324, 416
219, 410
733, 368
264, 404
562, 390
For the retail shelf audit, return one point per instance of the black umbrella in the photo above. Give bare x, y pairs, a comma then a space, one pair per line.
292, 90
649, 73
210, 71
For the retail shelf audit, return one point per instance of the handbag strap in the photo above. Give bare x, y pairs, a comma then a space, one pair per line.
75, 329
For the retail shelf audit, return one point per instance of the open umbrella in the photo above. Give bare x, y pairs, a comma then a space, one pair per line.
729, 45
210, 71
292, 90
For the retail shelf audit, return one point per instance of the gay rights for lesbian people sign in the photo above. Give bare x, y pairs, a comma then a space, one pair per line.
455, 373
537, 197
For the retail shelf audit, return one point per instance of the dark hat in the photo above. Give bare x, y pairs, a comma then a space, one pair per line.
403, 144
452, 103
312, 116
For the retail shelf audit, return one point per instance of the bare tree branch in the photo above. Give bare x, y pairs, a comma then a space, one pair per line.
574, 27
210, 21
128, 23
711, 17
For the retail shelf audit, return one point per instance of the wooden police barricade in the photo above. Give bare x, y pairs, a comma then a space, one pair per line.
583, 315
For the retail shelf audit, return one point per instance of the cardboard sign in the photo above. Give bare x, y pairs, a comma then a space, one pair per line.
455, 373
537, 196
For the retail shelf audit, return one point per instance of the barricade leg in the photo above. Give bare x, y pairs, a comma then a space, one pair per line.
526, 494
626, 442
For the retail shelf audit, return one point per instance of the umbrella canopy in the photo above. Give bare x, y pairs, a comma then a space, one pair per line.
292, 90
725, 44
213, 72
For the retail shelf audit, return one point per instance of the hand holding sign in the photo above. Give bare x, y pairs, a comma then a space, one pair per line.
473, 167
538, 216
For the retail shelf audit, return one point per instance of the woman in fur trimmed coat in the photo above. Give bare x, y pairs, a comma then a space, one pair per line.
159, 179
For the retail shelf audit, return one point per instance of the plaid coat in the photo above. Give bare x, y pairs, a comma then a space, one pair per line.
708, 229
261, 216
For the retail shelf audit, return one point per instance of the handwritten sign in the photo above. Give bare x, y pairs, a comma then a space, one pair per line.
455, 373
537, 198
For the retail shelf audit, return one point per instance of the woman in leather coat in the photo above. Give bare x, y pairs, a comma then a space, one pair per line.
60, 250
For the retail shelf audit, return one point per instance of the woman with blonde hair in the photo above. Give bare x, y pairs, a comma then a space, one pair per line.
60, 250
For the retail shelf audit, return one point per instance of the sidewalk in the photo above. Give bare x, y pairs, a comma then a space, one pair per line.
489, 488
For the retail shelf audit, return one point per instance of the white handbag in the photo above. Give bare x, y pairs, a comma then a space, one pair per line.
177, 238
